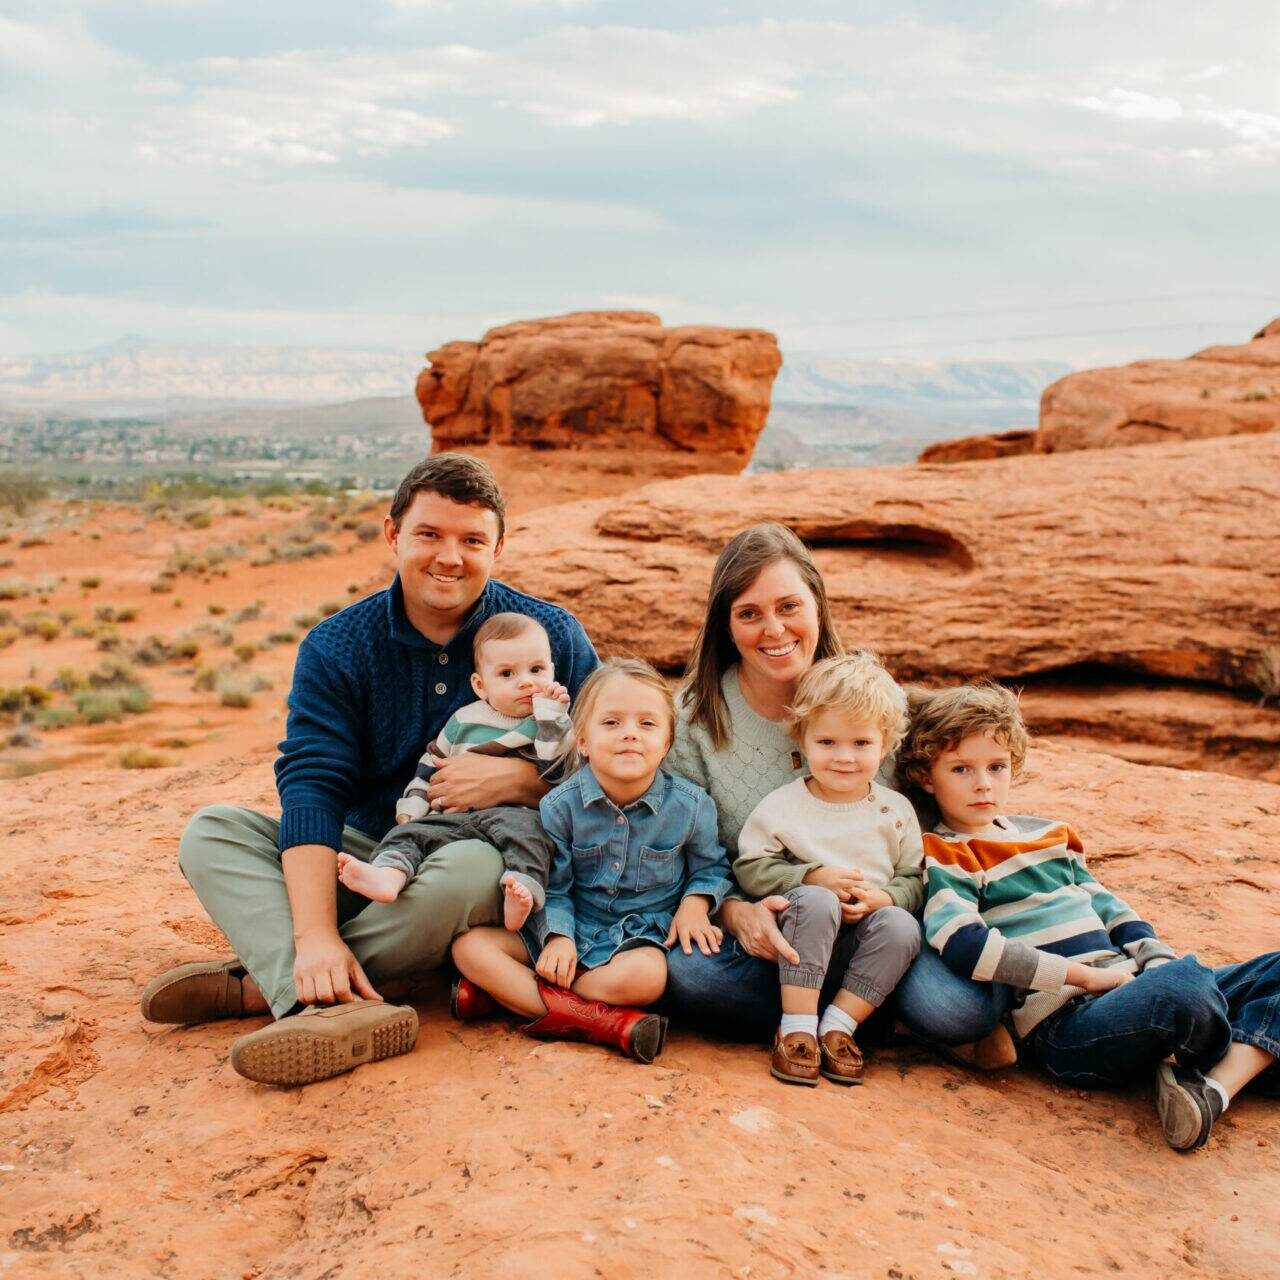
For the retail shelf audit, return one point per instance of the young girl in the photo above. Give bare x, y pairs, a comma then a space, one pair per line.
840, 847
637, 867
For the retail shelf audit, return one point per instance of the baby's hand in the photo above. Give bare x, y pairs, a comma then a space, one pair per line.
840, 880
556, 691
864, 900
558, 962
1095, 981
691, 924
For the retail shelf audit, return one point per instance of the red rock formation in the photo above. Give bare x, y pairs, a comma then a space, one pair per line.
1007, 444
604, 380
1156, 561
1220, 391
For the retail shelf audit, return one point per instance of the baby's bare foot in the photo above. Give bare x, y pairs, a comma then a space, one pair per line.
379, 884
517, 903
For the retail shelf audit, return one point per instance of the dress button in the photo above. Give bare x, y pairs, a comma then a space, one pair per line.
442, 687
621, 819
617, 866
444, 657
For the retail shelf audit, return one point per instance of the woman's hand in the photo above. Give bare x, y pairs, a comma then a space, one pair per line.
691, 924
325, 971
558, 962
755, 926
864, 900
1094, 980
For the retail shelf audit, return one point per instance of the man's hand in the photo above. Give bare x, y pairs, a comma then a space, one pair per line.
1094, 980
475, 781
690, 925
558, 962
864, 900
755, 926
325, 971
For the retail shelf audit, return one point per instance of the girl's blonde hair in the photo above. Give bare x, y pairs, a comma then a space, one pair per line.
856, 684
741, 562
942, 718
589, 694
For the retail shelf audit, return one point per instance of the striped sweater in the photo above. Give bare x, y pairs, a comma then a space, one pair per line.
478, 727
1016, 904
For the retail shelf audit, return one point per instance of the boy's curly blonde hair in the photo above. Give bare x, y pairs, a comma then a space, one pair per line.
856, 684
942, 718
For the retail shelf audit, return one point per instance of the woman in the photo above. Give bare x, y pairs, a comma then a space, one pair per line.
767, 621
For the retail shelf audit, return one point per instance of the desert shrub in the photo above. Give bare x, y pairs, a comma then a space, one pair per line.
185, 647
306, 550
66, 616
48, 628
159, 586
150, 651
367, 531
353, 588
305, 620
97, 706
233, 692
18, 490
90, 582
143, 758
14, 589
199, 519
329, 608
54, 717
250, 612
260, 683
245, 652
178, 602
282, 637
1266, 674
7, 636
70, 680
206, 679
39, 540
216, 610
1256, 393
135, 699
107, 637
24, 697
114, 672
109, 613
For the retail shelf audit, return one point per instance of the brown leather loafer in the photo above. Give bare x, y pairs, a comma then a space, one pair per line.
324, 1041
841, 1058
200, 992
795, 1058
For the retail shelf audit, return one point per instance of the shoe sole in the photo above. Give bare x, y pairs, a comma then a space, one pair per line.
647, 1038
786, 1079
835, 1079
300, 1056
1183, 1117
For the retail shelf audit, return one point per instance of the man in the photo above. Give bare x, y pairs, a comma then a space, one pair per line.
372, 685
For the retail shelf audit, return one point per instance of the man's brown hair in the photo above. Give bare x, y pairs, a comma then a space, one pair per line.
456, 476
940, 719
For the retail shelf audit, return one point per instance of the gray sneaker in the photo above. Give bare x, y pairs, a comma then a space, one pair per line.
1186, 1105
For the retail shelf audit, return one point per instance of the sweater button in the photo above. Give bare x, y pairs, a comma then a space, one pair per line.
442, 687
442, 659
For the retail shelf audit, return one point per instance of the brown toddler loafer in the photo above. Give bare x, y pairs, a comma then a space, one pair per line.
203, 991
842, 1060
795, 1058
324, 1041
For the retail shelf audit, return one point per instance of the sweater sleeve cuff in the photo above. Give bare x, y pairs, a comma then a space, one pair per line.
1051, 973
310, 825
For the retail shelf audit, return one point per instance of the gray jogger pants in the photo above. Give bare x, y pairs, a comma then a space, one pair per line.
885, 943
515, 830
231, 859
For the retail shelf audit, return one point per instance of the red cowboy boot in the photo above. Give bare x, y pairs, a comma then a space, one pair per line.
469, 1003
638, 1034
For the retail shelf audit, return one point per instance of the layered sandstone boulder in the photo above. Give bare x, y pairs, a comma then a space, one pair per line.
604, 380
1005, 444
1221, 391
1162, 562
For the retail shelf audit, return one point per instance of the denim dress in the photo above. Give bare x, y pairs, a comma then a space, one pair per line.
619, 874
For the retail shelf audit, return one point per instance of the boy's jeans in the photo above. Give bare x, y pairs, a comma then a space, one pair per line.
1181, 1008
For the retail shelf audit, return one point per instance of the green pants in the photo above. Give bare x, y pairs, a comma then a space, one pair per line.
230, 857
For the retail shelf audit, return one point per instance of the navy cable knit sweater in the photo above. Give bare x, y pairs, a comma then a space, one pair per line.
370, 691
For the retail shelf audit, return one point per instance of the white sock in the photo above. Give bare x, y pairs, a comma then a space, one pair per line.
798, 1022
834, 1018
1221, 1092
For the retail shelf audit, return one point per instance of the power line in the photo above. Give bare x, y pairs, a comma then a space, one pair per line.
1042, 308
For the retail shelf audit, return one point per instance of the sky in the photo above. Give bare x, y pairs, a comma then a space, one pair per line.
1083, 180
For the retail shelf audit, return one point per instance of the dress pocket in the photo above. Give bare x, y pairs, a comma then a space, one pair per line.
588, 861
659, 868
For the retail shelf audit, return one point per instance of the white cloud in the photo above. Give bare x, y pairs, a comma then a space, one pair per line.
43, 49
1129, 104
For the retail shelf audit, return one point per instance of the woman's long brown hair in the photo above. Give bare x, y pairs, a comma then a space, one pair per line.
744, 556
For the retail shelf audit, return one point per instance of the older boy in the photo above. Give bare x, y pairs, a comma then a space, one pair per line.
1096, 998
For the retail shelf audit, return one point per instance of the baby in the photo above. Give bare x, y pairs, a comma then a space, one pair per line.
521, 711
841, 848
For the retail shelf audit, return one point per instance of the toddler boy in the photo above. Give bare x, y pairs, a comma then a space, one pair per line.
520, 711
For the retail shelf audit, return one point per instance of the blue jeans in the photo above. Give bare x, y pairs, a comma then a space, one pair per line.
1181, 1008
735, 995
